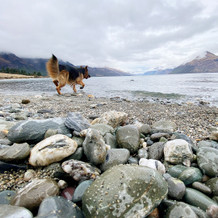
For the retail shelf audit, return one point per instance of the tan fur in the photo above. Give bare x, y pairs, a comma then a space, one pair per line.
60, 79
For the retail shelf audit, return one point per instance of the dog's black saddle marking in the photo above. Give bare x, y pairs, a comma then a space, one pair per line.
73, 71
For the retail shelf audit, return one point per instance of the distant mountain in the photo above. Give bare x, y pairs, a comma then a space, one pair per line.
158, 72
208, 63
9, 60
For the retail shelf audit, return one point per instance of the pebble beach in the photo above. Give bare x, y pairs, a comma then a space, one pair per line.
196, 124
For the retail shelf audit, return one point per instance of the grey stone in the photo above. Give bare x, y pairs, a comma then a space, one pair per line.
207, 159
133, 160
6, 125
176, 188
176, 170
76, 122
110, 139
102, 128
180, 209
80, 190
119, 196
190, 175
58, 207
115, 157
33, 193
5, 141
202, 187
94, 147
198, 199
5, 196
33, 131
77, 155
15, 152
145, 129
211, 144
128, 137
213, 185
156, 151
156, 136
164, 126
8, 211
142, 153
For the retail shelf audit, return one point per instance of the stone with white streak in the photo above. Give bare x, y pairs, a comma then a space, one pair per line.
52, 149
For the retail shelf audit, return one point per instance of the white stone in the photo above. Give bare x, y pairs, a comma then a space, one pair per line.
154, 164
178, 152
52, 149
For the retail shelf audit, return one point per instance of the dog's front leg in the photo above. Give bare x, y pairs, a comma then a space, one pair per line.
82, 84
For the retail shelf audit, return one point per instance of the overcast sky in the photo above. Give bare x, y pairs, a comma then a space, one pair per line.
130, 35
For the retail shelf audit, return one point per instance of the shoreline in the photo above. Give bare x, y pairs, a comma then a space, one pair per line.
192, 120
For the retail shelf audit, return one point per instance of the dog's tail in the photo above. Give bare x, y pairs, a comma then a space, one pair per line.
52, 67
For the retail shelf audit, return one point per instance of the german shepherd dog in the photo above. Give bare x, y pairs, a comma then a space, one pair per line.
66, 74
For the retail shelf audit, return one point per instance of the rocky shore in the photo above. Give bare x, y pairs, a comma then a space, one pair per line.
81, 156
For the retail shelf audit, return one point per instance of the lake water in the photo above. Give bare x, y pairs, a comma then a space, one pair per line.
173, 88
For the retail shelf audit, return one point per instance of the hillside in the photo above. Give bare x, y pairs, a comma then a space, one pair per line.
208, 63
9, 60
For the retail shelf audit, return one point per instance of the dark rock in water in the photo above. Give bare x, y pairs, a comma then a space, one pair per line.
5, 196
58, 207
128, 137
80, 190
94, 147
180, 209
207, 159
43, 111
76, 122
80, 170
115, 157
33, 194
8, 211
33, 131
7, 166
25, 101
124, 191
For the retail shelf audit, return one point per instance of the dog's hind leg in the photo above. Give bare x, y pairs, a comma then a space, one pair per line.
74, 88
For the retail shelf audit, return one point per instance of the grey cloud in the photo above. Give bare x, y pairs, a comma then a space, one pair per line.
130, 35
